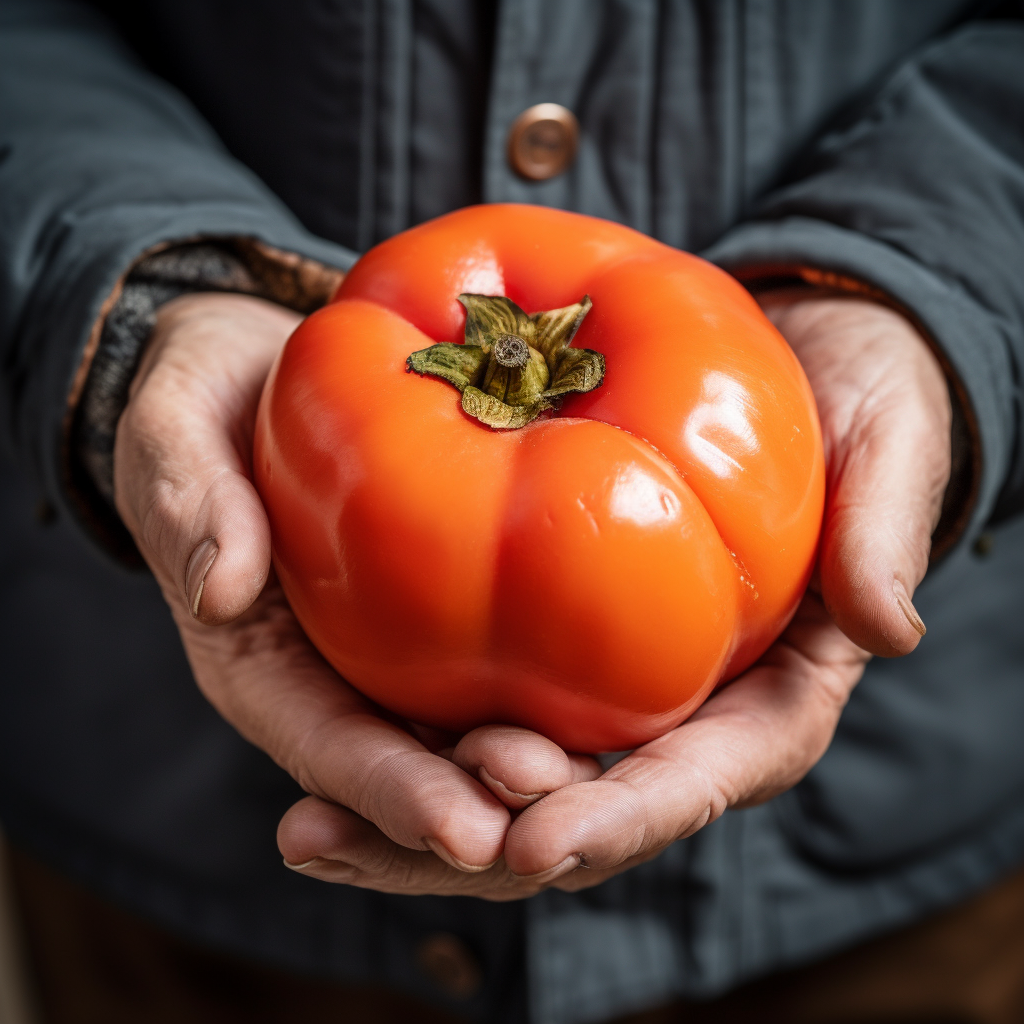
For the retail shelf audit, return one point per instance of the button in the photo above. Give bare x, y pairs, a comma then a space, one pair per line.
542, 142
450, 964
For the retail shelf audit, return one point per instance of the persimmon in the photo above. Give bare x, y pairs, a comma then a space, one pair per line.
533, 467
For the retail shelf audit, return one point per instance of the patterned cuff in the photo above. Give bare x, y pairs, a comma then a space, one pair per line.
239, 265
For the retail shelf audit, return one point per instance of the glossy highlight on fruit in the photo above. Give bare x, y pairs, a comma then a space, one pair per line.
592, 573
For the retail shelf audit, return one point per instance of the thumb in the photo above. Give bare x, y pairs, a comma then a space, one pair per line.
888, 477
885, 414
219, 553
182, 451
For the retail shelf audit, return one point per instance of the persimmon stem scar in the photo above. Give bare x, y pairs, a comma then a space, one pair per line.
511, 350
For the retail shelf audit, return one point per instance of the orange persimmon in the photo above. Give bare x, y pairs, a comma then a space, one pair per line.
620, 510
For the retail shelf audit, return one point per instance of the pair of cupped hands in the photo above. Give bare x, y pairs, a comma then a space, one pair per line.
502, 812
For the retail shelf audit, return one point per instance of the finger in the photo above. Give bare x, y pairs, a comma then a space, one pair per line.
520, 766
420, 800
752, 740
328, 842
266, 679
181, 455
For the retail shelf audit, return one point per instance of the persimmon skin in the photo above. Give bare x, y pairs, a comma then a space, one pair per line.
592, 575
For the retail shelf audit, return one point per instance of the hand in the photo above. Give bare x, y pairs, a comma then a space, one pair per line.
885, 416
182, 488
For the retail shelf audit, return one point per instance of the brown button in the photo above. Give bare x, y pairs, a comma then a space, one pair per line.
542, 142
450, 964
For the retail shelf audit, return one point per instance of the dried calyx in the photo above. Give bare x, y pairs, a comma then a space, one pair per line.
513, 366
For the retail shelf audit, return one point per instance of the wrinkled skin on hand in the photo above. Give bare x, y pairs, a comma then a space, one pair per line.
502, 812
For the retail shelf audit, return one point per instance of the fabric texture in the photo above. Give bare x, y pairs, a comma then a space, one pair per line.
965, 965
872, 140
81, 948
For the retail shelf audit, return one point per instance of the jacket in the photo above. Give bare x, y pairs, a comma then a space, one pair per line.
866, 144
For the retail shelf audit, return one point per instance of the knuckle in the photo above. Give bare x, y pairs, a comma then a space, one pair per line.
307, 779
386, 859
160, 518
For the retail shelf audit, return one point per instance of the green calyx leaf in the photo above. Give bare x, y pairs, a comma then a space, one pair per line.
513, 366
497, 414
461, 365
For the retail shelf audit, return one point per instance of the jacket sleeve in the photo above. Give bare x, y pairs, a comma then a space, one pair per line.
920, 197
100, 162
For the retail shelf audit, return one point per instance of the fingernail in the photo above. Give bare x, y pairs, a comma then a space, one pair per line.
907, 607
327, 870
508, 796
299, 867
571, 863
447, 857
196, 570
